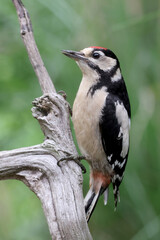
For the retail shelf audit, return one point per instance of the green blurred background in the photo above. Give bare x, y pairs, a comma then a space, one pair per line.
132, 30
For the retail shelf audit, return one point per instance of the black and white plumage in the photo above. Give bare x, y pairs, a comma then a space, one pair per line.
101, 118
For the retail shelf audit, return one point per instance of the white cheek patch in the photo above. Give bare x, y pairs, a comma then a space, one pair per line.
117, 76
124, 121
105, 64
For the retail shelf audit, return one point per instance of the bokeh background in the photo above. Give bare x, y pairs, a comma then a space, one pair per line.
132, 30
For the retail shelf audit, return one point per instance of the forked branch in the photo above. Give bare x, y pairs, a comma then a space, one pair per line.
58, 188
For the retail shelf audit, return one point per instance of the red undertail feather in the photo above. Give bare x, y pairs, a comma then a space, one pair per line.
98, 185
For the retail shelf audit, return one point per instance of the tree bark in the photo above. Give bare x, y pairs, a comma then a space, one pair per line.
58, 188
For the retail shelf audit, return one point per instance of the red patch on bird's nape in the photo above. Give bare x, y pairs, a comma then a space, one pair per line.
98, 47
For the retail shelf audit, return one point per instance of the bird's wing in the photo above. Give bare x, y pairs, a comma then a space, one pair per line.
114, 128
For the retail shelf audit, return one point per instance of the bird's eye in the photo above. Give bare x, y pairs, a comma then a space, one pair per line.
96, 55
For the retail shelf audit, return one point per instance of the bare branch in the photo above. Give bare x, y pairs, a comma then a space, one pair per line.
34, 55
58, 188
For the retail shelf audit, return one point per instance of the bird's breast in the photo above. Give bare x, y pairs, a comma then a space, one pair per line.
87, 112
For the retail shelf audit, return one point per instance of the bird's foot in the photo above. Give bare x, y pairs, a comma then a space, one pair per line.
76, 159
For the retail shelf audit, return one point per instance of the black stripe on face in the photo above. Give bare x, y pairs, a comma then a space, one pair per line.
101, 72
104, 77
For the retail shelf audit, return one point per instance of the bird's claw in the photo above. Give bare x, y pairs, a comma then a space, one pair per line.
76, 159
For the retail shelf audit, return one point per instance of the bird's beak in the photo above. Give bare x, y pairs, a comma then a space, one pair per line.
74, 55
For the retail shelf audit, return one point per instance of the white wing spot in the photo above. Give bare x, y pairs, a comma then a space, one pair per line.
110, 157
120, 164
117, 177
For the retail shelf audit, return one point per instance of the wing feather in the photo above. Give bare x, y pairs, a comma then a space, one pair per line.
114, 128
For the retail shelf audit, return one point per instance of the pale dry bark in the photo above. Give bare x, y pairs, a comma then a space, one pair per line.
58, 188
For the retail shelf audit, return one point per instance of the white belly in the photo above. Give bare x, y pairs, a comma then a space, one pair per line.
86, 116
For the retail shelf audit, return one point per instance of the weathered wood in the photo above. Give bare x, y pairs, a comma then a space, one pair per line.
58, 188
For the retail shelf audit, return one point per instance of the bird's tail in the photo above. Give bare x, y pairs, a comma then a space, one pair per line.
91, 199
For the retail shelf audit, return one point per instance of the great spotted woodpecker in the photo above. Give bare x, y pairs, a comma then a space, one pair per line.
101, 119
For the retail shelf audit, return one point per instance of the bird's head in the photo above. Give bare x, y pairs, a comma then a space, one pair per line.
94, 58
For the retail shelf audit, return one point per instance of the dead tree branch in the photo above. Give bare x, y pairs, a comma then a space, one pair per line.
30, 44
58, 188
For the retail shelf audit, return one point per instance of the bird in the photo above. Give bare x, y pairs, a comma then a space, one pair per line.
101, 120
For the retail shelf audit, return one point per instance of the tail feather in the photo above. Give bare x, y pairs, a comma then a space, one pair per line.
90, 201
116, 195
106, 193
